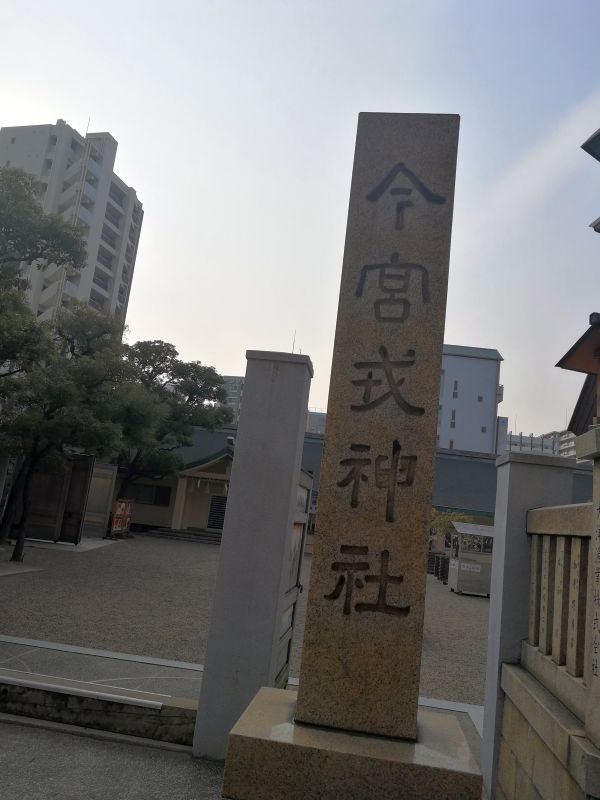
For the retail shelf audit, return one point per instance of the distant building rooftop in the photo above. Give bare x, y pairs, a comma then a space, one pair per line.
471, 352
474, 530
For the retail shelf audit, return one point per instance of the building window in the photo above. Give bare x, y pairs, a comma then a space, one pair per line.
451, 444
479, 398
483, 429
149, 495
453, 424
13, 139
53, 140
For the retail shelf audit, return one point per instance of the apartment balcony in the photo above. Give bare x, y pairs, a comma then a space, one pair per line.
49, 294
85, 216
97, 301
500, 394
113, 209
67, 197
109, 240
105, 258
112, 224
104, 270
73, 172
89, 191
71, 289
101, 281
94, 168
117, 197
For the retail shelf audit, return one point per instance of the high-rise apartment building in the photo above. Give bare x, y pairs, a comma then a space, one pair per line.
234, 386
77, 181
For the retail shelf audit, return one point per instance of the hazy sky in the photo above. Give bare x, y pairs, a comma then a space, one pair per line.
236, 124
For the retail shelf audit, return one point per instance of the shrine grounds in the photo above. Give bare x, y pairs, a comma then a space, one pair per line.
153, 597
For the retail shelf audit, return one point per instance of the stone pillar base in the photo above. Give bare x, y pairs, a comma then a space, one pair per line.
270, 757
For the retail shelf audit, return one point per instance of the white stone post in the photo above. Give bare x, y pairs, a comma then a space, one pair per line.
524, 481
249, 637
179, 504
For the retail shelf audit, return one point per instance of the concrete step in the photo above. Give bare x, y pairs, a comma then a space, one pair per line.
189, 535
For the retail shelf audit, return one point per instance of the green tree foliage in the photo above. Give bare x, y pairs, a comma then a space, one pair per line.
171, 398
28, 236
23, 341
27, 233
441, 522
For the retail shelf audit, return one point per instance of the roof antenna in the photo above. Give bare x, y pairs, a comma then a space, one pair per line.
294, 341
87, 127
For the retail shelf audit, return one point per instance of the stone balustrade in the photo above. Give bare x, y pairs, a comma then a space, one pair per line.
560, 537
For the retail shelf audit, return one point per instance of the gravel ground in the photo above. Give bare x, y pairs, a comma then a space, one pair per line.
154, 597
144, 595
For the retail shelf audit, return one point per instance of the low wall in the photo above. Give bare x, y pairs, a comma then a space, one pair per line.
172, 722
544, 753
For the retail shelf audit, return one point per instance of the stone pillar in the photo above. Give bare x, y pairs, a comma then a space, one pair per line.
364, 625
524, 481
249, 637
179, 504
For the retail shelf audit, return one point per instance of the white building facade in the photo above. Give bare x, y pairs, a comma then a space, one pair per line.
554, 443
470, 391
77, 181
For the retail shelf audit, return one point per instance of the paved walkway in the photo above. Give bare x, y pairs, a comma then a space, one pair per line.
51, 663
41, 764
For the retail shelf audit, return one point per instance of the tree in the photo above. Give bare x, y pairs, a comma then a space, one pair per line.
441, 522
64, 403
27, 236
177, 396
27, 233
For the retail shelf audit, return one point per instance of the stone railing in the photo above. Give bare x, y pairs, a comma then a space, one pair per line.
560, 537
536, 666
559, 553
